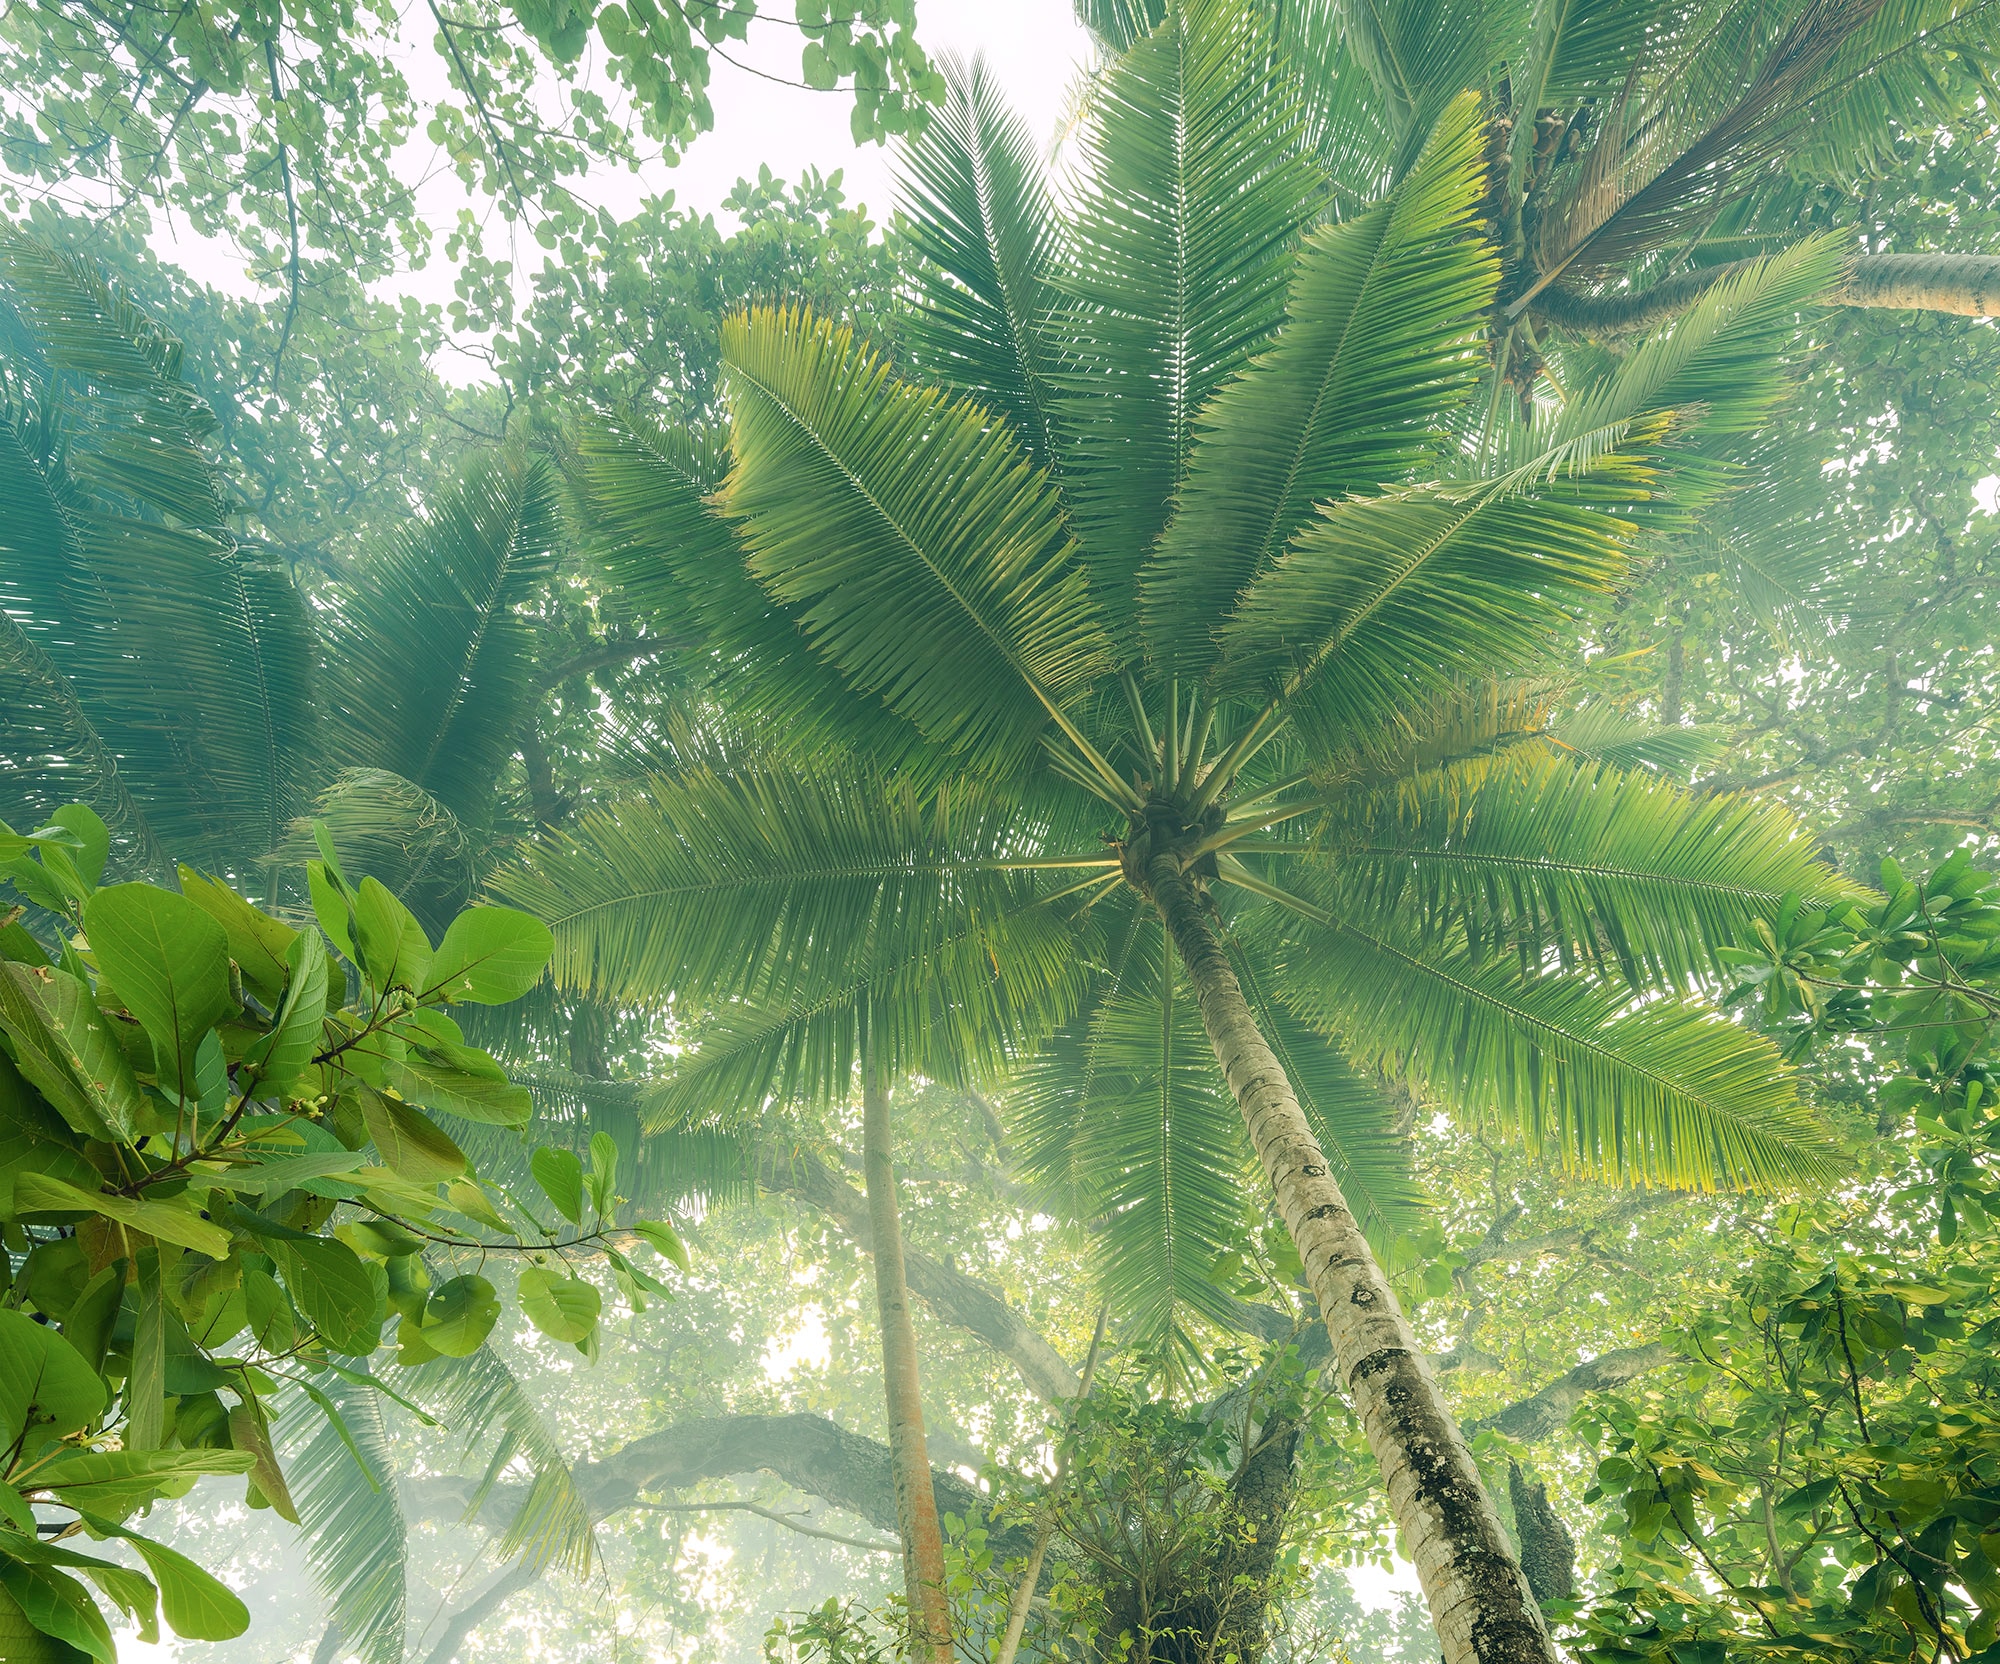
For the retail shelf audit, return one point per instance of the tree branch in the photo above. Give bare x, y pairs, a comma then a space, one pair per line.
789, 1521
291, 205
482, 1606
1967, 285
956, 1298
1542, 1413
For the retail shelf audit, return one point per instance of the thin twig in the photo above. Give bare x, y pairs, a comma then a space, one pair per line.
789, 1521
291, 204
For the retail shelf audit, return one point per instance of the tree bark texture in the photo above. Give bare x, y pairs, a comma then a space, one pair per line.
916, 1503
1967, 285
1480, 1603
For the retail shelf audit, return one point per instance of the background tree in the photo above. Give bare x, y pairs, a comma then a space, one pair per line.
1274, 628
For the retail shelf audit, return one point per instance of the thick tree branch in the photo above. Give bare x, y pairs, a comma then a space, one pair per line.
808, 1452
1965, 284
1544, 1412
510, 1582
953, 1296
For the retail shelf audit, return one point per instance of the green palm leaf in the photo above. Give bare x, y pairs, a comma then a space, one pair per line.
188, 714
478, 1394
771, 881
1622, 872
1380, 340
1658, 1091
432, 664
1405, 596
354, 1533
1421, 54
917, 546
983, 226
1196, 192
959, 1006
1129, 1102
655, 531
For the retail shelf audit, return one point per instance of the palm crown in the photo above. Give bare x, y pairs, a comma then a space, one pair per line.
1151, 664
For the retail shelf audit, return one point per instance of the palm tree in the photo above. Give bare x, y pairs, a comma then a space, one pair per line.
1153, 656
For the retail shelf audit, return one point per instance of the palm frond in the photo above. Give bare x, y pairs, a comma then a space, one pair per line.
1723, 98
1406, 596
431, 665
1721, 361
981, 221
653, 528
1658, 1091
921, 552
1349, 127
1118, 25
1421, 54
189, 663
958, 1005
1626, 873
774, 881
396, 832
1196, 189
354, 1534
478, 1394
1383, 322
1129, 1107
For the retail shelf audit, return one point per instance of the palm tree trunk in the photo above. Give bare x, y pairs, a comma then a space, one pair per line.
916, 1501
1479, 1601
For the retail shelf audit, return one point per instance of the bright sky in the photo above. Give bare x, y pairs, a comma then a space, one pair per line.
1036, 48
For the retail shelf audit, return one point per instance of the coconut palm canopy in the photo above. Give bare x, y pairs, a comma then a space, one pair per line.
1146, 676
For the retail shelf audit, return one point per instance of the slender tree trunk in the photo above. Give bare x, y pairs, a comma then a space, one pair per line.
916, 1502
1479, 1601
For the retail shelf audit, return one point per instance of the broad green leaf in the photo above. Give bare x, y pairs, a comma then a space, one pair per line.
459, 1315
295, 1037
89, 841
115, 1482
560, 1175
64, 1045
603, 1171
131, 1590
169, 962
490, 955
331, 908
332, 1289
466, 1196
197, 1606
176, 1221
93, 1316
45, 1383
409, 1140
487, 1096
665, 1238
247, 1431
273, 1178
394, 950
58, 1606
260, 944
563, 1308
22, 1643
34, 1140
